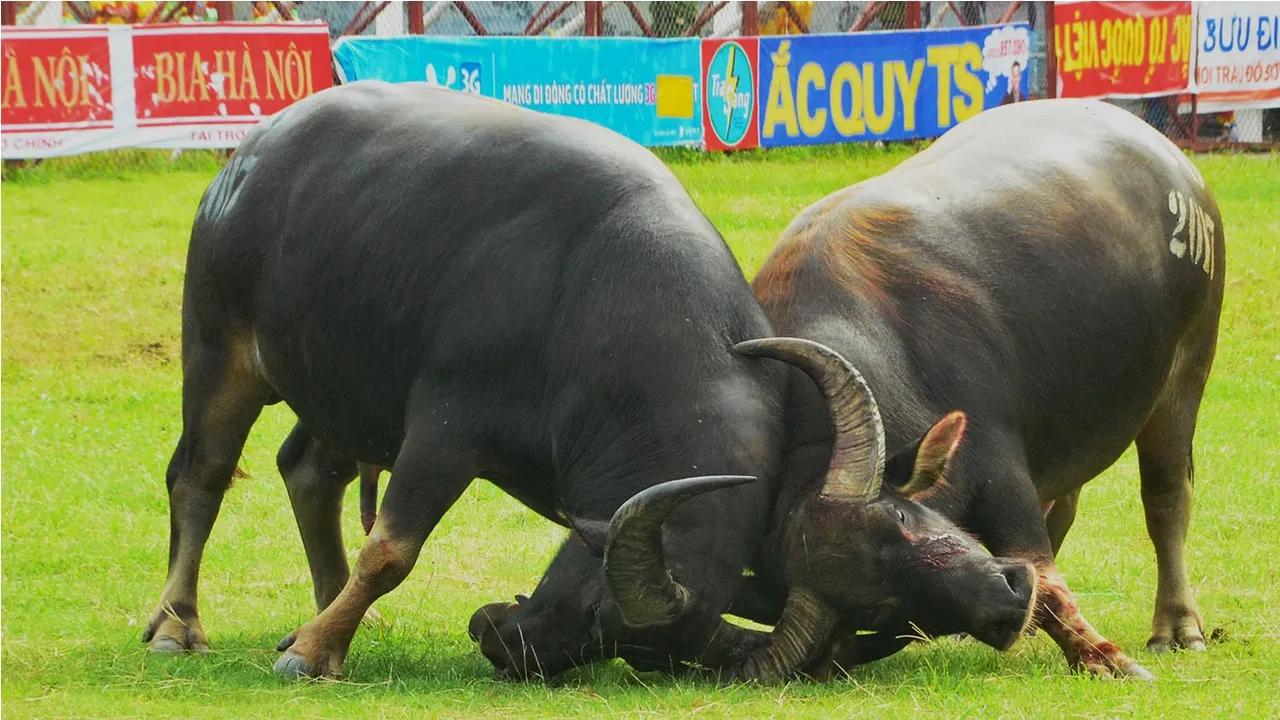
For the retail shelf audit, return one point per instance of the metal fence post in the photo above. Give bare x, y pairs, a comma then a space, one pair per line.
594, 18
415, 9
750, 18
225, 10
1050, 51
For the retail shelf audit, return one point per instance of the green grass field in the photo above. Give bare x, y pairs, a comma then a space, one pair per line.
93, 255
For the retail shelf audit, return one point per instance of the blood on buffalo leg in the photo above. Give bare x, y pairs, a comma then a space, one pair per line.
221, 399
1059, 515
1085, 648
430, 473
1165, 462
316, 477
1012, 525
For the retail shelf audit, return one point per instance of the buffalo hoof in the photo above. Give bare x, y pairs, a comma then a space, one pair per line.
1129, 670
298, 664
174, 635
1137, 672
1160, 646
292, 666
1182, 635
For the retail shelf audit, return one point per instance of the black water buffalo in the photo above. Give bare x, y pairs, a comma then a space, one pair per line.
453, 287
1049, 276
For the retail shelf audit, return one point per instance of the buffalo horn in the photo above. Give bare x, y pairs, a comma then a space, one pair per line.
803, 629
647, 595
857, 456
634, 562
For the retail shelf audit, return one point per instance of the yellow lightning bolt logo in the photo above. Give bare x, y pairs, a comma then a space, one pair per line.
730, 88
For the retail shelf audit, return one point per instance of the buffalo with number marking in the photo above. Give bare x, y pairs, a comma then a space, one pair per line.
1047, 277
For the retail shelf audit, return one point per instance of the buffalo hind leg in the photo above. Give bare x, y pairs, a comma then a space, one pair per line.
1165, 463
316, 477
428, 477
221, 399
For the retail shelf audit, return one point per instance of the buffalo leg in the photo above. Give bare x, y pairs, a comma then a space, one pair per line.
316, 477
1164, 460
221, 400
1059, 518
369, 475
1085, 648
1014, 526
426, 481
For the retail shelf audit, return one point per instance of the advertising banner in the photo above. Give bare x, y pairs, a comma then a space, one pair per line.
69, 90
1122, 49
886, 85
730, 108
646, 89
1238, 55
57, 83
205, 75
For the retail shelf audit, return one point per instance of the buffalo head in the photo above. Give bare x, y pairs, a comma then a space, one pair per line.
861, 554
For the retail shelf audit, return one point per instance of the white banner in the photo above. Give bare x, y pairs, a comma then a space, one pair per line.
1238, 55
73, 89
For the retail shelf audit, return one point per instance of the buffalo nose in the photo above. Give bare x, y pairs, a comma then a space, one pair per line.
1020, 580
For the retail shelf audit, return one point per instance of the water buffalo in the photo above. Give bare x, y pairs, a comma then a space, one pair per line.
1048, 274
453, 287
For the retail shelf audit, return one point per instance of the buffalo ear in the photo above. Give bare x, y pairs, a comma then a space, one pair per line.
932, 458
591, 533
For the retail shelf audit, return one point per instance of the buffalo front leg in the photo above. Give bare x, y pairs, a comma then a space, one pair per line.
424, 484
1059, 516
316, 477
220, 402
1012, 525
1084, 647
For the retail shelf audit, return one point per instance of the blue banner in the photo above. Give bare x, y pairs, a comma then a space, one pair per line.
886, 85
646, 89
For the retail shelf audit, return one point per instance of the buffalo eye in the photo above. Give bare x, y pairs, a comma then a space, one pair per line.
902, 518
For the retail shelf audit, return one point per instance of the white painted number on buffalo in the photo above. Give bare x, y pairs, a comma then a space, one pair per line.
1192, 234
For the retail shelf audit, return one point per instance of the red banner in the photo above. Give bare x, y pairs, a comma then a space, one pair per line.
225, 76
60, 78
79, 89
1122, 49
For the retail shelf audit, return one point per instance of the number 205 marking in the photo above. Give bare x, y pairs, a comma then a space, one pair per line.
1197, 242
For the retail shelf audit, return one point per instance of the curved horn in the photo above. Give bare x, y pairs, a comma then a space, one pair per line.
804, 628
646, 594
634, 563
857, 456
